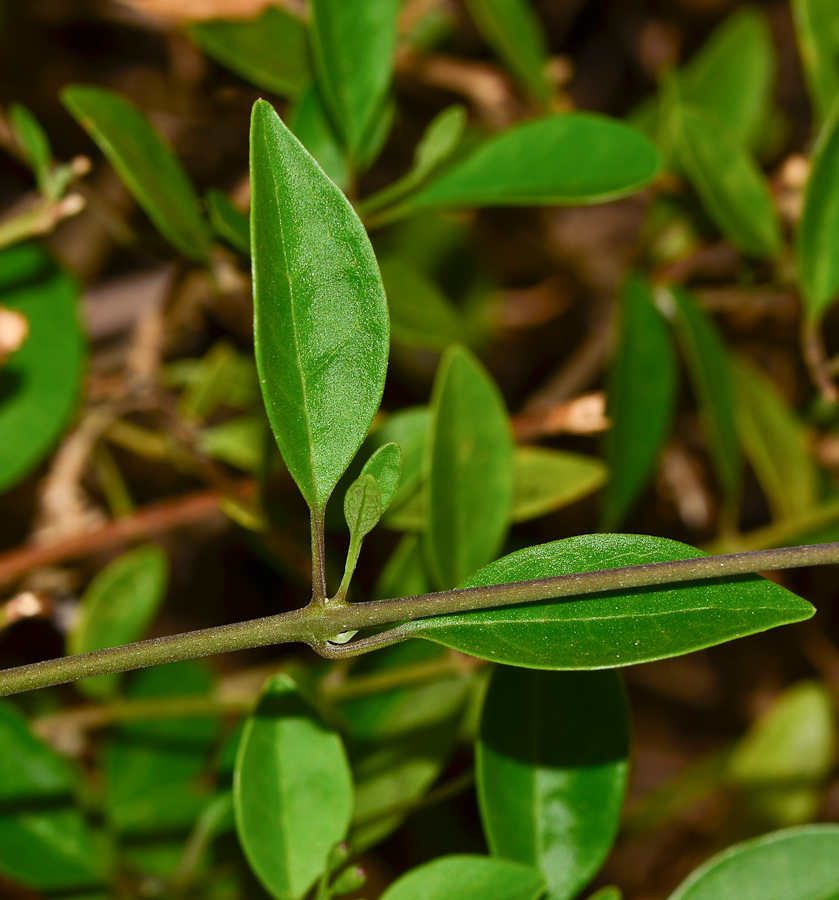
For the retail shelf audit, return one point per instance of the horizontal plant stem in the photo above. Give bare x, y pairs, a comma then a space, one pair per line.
315, 624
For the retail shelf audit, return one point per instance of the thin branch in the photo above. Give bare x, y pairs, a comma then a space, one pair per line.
315, 624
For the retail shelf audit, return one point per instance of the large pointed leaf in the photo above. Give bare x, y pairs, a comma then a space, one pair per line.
570, 159
643, 379
818, 231
292, 791
552, 768
817, 29
619, 628
469, 461
41, 384
797, 864
321, 324
354, 46
146, 163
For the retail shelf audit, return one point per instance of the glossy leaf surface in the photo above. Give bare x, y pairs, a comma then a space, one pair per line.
320, 311
776, 443
469, 465
468, 878
117, 608
732, 188
554, 160
552, 768
146, 163
353, 45
796, 864
642, 385
271, 52
817, 29
293, 791
818, 228
712, 377
511, 28
40, 385
613, 629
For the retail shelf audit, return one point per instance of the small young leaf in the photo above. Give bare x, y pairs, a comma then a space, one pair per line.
117, 608
468, 878
228, 222
619, 628
311, 126
818, 229
362, 506
407, 428
553, 160
775, 441
146, 163
469, 466
732, 188
33, 142
796, 864
271, 52
354, 47
321, 324
41, 383
293, 791
643, 380
420, 314
385, 466
552, 768
787, 754
817, 29
709, 366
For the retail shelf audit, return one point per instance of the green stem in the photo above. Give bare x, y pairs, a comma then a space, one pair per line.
315, 623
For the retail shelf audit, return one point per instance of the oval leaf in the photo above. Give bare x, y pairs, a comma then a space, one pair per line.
292, 791
797, 864
117, 608
385, 466
469, 465
732, 188
40, 385
146, 163
468, 878
552, 768
817, 29
545, 480
600, 631
321, 327
554, 160
643, 380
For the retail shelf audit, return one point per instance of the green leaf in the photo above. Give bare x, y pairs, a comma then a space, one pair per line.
146, 163
40, 385
817, 30
607, 893
271, 52
321, 325
117, 608
642, 386
404, 574
152, 768
33, 142
354, 47
469, 466
732, 75
727, 179
553, 160
776, 442
711, 374
552, 768
787, 755
599, 631
362, 510
796, 864
28, 768
293, 791
385, 466
407, 428
545, 480
420, 314
818, 229
311, 126
513, 31
239, 442
228, 222
468, 878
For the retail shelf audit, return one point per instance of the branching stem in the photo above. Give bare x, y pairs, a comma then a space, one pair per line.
316, 623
